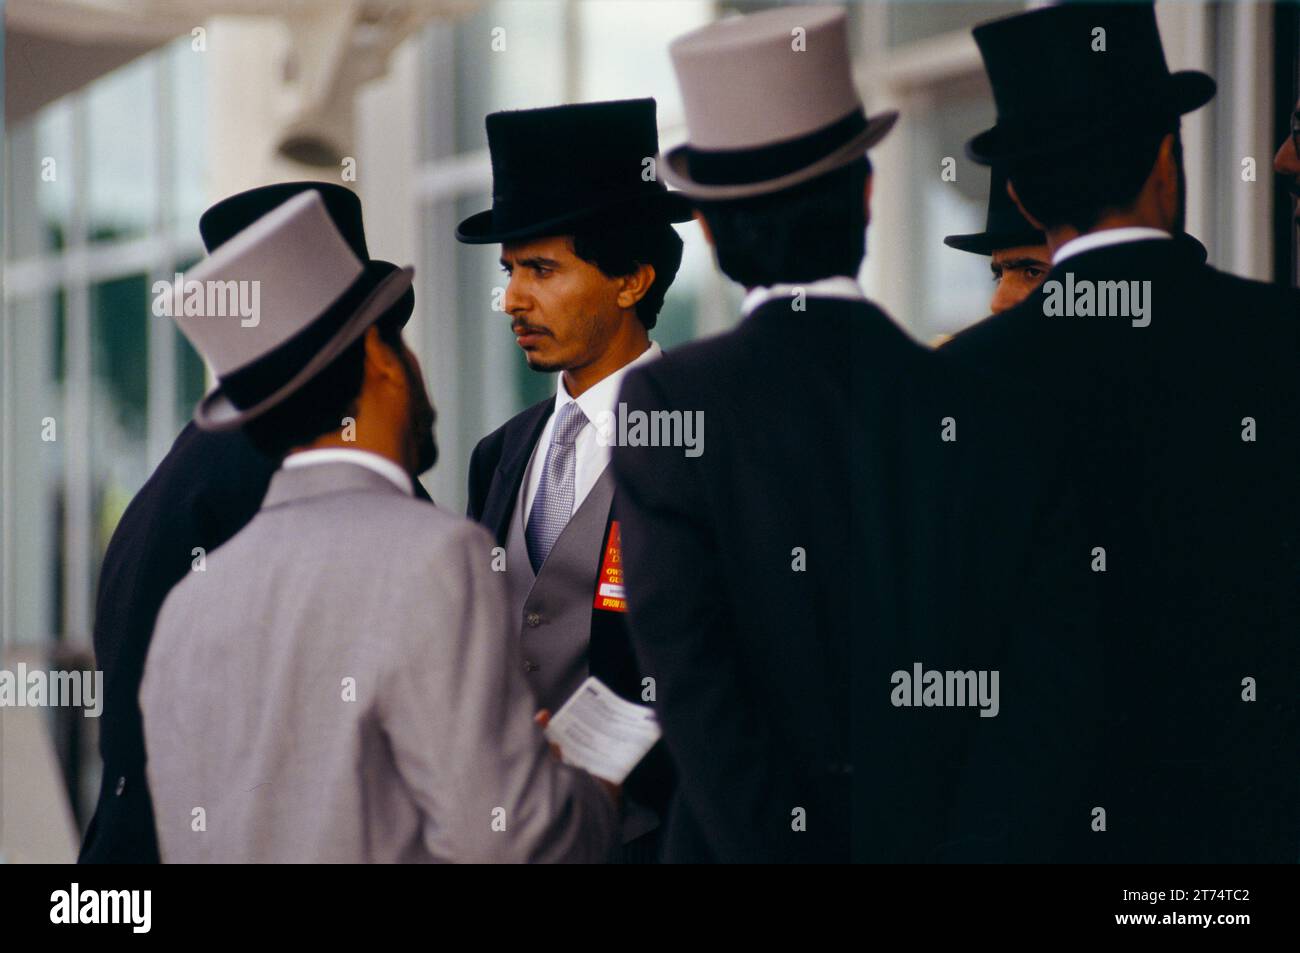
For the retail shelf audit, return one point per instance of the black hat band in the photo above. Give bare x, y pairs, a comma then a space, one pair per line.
747, 166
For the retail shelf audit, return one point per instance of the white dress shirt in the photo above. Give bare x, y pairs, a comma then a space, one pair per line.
1107, 236
838, 286
363, 458
590, 454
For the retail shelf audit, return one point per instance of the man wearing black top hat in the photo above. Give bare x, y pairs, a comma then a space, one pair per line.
589, 249
1018, 253
207, 487
1184, 425
860, 511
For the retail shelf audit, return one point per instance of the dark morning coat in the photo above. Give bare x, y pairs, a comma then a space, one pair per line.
496, 473
827, 537
206, 489
203, 492
1185, 435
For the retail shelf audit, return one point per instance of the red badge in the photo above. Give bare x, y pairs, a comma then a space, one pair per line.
609, 584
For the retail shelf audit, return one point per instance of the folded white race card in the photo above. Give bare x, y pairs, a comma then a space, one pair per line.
601, 733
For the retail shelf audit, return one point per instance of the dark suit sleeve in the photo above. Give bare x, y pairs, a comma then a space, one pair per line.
685, 638
205, 490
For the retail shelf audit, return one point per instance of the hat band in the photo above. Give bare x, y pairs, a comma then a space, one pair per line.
510, 212
259, 379
747, 166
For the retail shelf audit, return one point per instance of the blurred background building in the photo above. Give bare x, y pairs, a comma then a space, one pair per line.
126, 119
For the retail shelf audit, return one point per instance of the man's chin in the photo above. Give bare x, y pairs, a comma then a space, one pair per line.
537, 362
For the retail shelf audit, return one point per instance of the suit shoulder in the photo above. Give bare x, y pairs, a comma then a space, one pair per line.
391, 533
495, 442
1281, 301
443, 535
989, 333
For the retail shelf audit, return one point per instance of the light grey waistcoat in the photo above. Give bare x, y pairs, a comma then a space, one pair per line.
553, 608
553, 611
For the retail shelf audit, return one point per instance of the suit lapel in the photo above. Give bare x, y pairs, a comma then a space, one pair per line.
520, 439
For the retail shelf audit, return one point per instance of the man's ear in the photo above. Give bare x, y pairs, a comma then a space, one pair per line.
1011, 191
636, 285
381, 360
704, 226
1166, 172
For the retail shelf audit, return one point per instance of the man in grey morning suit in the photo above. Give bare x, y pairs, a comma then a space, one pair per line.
338, 683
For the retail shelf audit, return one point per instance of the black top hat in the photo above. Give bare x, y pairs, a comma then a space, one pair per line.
1068, 75
557, 166
1004, 226
226, 219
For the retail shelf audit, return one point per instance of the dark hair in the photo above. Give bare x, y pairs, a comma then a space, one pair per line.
321, 404
816, 229
618, 245
1077, 189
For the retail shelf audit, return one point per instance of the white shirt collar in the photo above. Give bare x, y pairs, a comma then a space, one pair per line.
603, 395
592, 445
838, 286
1107, 236
364, 458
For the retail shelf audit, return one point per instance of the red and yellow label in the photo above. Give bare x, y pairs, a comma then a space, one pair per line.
609, 583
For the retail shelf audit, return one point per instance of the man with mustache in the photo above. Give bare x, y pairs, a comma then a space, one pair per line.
336, 684
589, 250
1184, 424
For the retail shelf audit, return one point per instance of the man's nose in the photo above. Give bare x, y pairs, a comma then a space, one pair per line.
514, 300
1002, 297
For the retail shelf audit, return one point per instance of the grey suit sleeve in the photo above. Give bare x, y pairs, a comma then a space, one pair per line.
459, 716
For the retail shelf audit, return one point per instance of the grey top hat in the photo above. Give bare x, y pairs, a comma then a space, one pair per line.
312, 295
770, 103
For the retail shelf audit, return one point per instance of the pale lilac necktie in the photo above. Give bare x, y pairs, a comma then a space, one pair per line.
553, 504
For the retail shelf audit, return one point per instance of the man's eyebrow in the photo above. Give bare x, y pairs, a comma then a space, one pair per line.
1024, 263
534, 262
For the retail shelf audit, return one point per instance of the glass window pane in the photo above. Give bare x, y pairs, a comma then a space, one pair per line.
625, 48
40, 181
511, 54
919, 21
55, 178
122, 143
949, 289
120, 311
187, 89
40, 432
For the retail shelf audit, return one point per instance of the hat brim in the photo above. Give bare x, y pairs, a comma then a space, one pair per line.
217, 412
676, 170
659, 204
402, 309
986, 243
1184, 92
